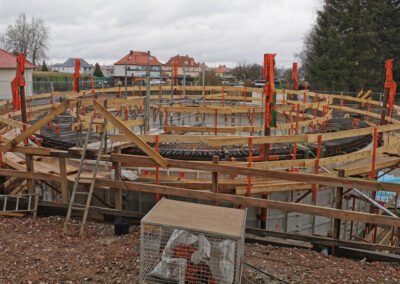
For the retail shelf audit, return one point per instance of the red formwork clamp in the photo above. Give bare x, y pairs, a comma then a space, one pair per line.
294, 77
18, 81
77, 75
390, 84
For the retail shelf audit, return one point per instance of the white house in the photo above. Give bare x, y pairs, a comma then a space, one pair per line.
69, 66
135, 64
8, 69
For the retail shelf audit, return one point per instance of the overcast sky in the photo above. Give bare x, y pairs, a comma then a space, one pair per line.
211, 31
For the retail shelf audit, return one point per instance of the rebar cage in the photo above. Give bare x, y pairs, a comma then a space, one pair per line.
189, 256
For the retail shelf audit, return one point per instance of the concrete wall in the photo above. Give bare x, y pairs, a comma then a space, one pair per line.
6, 76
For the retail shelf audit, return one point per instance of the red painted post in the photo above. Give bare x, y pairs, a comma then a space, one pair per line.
166, 120
297, 118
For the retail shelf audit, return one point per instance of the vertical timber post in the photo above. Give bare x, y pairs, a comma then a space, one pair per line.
118, 192
214, 186
338, 205
20, 81
269, 63
64, 182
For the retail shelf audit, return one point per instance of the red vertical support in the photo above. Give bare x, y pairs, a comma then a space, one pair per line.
294, 77
166, 120
159, 94
126, 114
297, 118
119, 92
77, 75
314, 196
157, 169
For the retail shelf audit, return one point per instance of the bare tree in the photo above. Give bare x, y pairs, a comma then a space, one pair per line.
29, 36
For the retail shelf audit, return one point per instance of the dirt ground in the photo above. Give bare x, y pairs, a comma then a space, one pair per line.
36, 251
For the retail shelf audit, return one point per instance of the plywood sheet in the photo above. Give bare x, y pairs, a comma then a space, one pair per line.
206, 218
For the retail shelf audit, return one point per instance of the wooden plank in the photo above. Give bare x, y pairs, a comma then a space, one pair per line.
322, 240
12, 214
289, 176
32, 175
250, 201
134, 138
38, 125
274, 186
30, 168
85, 125
13, 123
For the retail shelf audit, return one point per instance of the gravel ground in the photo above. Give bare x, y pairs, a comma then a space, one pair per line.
36, 251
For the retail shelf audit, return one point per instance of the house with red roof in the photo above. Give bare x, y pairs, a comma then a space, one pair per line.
134, 65
8, 68
186, 64
221, 70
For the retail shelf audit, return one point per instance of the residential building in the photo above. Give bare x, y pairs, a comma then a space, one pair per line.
108, 71
135, 64
8, 69
221, 70
187, 63
69, 66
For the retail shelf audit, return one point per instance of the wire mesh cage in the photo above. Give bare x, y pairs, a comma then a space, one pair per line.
173, 251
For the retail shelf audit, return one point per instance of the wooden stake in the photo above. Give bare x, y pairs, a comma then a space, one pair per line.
64, 181
214, 186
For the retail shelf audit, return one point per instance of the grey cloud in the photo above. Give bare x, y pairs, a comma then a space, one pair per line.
209, 30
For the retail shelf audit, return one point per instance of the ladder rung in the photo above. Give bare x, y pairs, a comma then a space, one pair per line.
78, 208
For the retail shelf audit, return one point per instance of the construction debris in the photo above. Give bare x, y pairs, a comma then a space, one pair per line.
36, 251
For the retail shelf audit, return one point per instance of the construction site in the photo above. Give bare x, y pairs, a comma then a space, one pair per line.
218, 184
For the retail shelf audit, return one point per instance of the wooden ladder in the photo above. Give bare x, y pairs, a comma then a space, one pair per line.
77, 206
